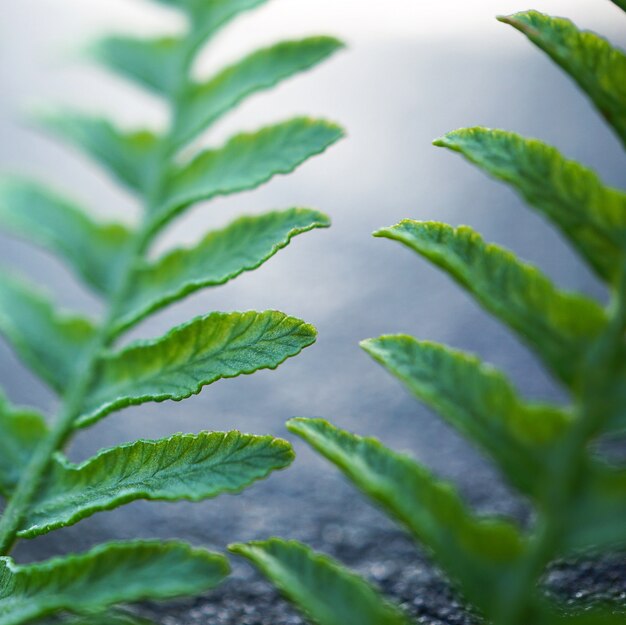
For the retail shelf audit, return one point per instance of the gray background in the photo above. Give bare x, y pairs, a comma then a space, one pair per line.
394, 93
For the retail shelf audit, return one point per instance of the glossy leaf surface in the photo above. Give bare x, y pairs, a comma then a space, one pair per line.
245, 162
219, 345
591, 215
221, 256
559, 326
93, 251
109, 574
325, 591
184, 466
205, 102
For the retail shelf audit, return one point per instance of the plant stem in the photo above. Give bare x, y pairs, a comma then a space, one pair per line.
78, 390
70, 407
593, 408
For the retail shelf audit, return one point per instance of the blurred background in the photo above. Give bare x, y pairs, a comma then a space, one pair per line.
412, 71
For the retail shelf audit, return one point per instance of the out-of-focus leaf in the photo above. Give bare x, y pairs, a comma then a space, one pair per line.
94, 251
50, 344
479, 401
184, 466
110, 573
590, 214
596, 518
324, 590
245, 162
221, 256
154, 63
179, 364
206, 102
21, 430
129, 156
597, 66
620, 3
559, 326
207, 18
112, 617
478, 552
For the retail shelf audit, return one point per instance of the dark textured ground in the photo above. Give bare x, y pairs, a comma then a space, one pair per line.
394, 99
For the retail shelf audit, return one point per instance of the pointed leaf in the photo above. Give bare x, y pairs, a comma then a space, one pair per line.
559, 326
479, 401
221, 256
590, 214
204, 103
154, 63
245, 162
219, 345
597, 66
184, 466
94, 251
324, 590
129, 156
109, 574
478, 552
21, 431
52, 345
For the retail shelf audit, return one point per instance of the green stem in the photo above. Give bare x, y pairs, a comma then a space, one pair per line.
593, 408
78, 390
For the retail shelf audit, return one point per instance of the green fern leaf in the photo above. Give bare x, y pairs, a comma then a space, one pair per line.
129, 156
153, 63
221, 256
197, 353
208, 17
597, 67
479, 401
109, 574
22, 430
550, 454
245, 162
590, 214
50, 344
95, 252
184, 466
558, 326
83, 361
473, 549
325, 591
206, 102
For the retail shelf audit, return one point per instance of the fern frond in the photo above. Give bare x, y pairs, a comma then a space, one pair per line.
547, 452
80, 358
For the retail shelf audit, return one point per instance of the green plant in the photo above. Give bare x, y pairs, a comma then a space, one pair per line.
547, 452
79, 357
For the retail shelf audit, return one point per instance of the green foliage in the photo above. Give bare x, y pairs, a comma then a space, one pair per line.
547, 452
81, 359
324, 589
110, 573
184, 466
